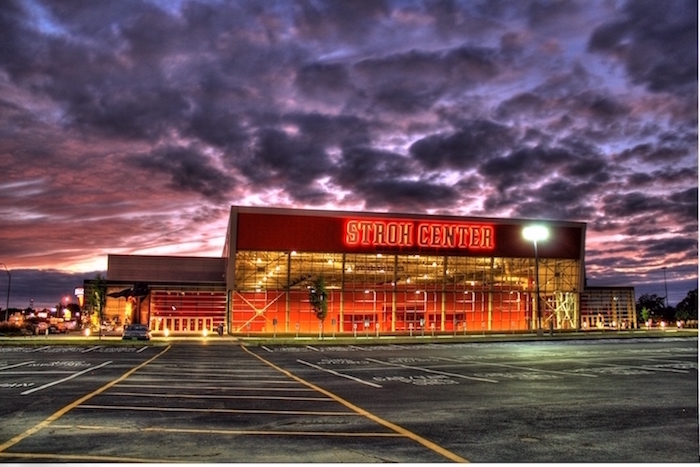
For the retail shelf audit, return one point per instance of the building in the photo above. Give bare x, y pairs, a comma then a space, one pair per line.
383, 273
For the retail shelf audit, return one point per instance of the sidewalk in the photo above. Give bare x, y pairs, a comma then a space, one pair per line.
350, 339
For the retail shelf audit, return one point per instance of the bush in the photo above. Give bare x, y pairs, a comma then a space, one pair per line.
10, 329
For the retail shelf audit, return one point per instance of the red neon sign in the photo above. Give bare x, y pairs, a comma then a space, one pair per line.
423, 234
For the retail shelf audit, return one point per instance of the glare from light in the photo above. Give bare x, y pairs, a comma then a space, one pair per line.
166, 332
205, 332
535, 233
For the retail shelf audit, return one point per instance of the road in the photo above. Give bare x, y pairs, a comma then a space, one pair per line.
542, 401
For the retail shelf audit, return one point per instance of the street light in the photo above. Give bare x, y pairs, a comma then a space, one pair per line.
9, 281
534, 234
665, 287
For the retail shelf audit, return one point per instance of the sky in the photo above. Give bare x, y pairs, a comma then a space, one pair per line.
131, 127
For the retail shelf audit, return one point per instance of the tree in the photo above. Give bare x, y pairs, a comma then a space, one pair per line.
688, 307
653, 303
74, 310
318, 300
97, 298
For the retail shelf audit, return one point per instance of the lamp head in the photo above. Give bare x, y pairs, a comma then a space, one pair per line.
535, 233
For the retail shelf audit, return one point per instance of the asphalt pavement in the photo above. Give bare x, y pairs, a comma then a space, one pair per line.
632, 399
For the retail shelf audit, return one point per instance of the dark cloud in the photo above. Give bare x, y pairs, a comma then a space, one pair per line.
668, 246
622, 205
685, 204
544, 12
414, 81
328, 82
385, 180
405, 195
656, 41
523, 166
188, 169
682, 204
652, 153
333, 131
341, 21
362, 164
464, 149
292, 162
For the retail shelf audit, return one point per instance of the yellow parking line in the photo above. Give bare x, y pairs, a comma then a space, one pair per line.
392, 426
41, 425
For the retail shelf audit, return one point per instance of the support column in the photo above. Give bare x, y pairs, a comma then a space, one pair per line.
341, 317
287, 298
444, 288
393, 293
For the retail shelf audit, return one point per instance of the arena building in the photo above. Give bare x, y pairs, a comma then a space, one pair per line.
383, 273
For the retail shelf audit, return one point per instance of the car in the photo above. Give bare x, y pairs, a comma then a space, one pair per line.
136, 332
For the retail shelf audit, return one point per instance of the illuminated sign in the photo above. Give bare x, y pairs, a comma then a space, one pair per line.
421, 234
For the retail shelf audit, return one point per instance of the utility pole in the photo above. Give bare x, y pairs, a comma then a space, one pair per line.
665, 287
9, 281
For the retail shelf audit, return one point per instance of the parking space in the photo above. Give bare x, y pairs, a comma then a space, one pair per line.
217, 403
613, 401
494, 363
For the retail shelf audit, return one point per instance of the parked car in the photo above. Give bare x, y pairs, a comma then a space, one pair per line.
136, 332
36, 326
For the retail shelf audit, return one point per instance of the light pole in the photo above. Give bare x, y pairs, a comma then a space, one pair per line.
536, 233
9, 281
665, 288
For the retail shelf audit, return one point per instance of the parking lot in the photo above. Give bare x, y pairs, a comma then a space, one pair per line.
577, 401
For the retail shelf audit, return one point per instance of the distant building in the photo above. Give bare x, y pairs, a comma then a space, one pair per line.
383, 273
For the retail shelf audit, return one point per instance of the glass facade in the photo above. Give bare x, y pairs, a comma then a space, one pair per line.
378, 292
383, 273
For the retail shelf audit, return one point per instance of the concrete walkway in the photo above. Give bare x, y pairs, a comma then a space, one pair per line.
350, 339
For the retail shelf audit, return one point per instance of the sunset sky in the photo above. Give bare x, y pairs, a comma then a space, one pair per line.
131, 127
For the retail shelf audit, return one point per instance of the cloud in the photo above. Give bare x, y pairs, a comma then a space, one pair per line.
188, 170
123, 125
475, 141
656, 42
